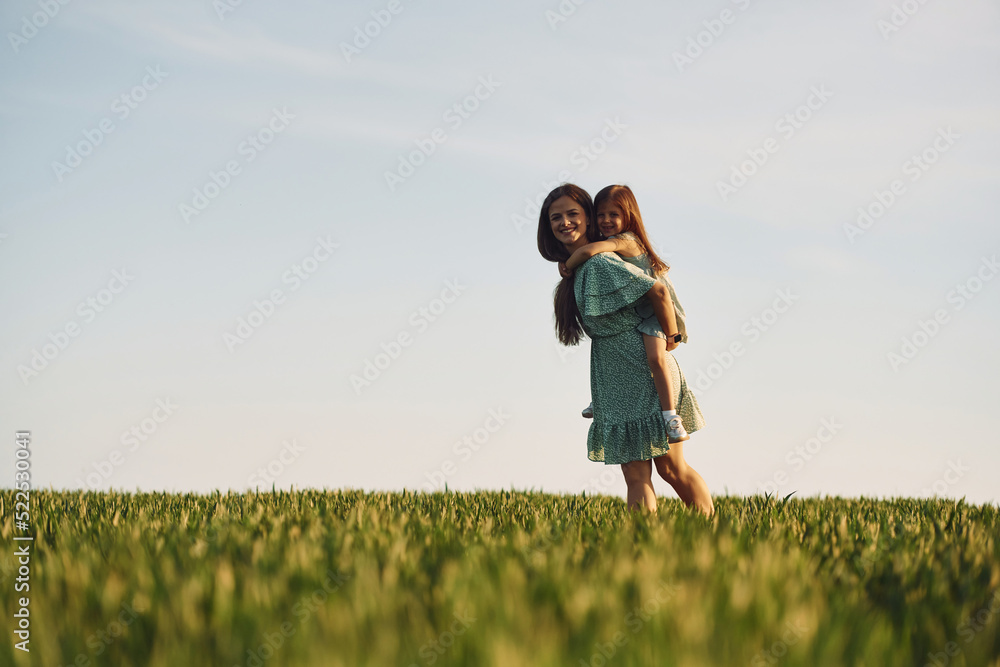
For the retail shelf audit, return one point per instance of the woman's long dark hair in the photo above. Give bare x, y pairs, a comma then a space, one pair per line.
569, 325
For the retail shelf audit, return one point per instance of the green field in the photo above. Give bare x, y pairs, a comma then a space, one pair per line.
501, 578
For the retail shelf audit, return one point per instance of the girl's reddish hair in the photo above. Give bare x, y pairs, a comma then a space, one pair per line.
622, 197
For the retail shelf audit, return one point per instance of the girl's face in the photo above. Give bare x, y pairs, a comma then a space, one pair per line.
610, 219
568, 220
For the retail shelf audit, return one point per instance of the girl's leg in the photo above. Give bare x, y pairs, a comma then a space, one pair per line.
656, 356
638, 477
686, 481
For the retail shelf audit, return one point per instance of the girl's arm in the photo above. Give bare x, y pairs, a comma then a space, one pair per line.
581, 255
663, 306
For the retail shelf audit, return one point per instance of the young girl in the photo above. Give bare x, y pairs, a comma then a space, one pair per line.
619, 220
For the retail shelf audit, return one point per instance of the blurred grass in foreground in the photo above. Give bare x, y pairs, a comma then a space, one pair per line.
501, 578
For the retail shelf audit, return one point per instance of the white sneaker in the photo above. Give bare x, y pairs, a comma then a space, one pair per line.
588, 412
675, 431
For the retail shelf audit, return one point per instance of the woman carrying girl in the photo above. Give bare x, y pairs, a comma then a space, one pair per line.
620, 222
599, 299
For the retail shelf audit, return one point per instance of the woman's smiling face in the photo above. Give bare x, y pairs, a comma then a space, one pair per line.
568, 220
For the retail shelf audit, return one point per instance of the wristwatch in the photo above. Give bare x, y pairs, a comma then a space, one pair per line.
675, 338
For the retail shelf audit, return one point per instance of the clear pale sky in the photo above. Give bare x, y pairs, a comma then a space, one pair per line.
172, 168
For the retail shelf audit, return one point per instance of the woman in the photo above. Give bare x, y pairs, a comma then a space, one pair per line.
598, 299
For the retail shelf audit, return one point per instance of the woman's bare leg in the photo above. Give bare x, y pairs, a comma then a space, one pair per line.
638, 477
656, 356
686, 481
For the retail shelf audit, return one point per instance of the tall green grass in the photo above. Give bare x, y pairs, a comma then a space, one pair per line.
502, 578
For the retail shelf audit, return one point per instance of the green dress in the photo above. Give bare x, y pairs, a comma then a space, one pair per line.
628, 425
650, 325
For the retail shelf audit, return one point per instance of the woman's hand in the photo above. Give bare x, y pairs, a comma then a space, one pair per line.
672, 345
563, 271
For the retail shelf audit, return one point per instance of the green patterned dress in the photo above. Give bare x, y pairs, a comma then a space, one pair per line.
650, 325
628, 425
